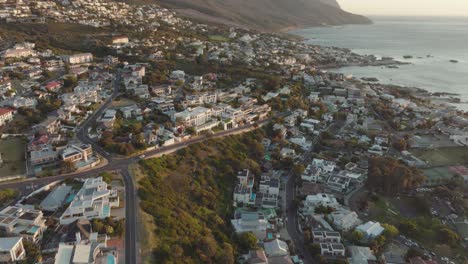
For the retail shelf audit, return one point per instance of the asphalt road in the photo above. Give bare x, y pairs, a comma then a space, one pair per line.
121, 165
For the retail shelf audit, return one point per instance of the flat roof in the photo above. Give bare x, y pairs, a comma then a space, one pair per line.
64, 254
82, 253
7, 243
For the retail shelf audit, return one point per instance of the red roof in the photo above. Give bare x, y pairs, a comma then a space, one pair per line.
52, 85
4, 111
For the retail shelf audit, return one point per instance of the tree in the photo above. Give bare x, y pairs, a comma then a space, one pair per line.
298, 169
390, 231
447, 236
247, 241
314, 249
67, 166
389, 176
357, 236
408, 227
400, 145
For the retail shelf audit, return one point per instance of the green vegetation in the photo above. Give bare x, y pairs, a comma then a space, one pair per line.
189, 196
12, 150
109, 226
443, 156
388, 175
6, 196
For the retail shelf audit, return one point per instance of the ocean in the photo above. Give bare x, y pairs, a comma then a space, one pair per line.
432, 41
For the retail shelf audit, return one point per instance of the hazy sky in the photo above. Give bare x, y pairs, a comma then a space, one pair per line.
407, 7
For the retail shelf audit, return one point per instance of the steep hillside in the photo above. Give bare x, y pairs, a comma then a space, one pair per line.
270, 15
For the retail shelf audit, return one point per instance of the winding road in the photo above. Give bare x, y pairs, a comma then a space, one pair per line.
121, 165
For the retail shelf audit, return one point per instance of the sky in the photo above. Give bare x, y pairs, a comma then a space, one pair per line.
407, 7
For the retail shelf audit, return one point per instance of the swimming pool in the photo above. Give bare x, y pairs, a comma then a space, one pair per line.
106, 210
110, 259
33, 230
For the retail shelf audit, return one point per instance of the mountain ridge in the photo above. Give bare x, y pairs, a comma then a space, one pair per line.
267, 15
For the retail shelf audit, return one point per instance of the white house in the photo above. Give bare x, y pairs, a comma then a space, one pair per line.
11, 249
332, 249
93, 200
371, 229
6, 115
344, 219
325, 165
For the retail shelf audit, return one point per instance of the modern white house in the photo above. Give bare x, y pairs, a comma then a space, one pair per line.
94, 200
11, 249
23, 221
371, 229
325, 165
243, 191
344, 219
313, 201
311, 174
332, 249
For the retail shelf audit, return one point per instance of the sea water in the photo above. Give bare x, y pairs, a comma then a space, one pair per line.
432, 42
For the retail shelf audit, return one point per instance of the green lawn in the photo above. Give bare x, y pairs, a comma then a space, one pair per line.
12, 150
122, 102
437, 176
218, 38
443, 156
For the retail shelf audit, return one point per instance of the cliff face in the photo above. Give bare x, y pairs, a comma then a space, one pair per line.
267, 15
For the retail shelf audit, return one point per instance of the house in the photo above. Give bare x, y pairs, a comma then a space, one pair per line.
178, 75
11, 249
320, 199
338, 183
52, 86
119, 40
287, 153
371, 229
93, 200
311, 173
332, 249
325, 165
6, 115
76, 153
51, 125
196, 117
43, 155
256, 257
250, 222
269, 191
56, 198
108, 118
344, 219
361, 255
243, 191
23, 221
326, 236
276, 248
301, 142
78, 58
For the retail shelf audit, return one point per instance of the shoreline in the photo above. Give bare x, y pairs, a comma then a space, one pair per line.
452, 99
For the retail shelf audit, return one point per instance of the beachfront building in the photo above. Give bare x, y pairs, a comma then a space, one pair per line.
94, 200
